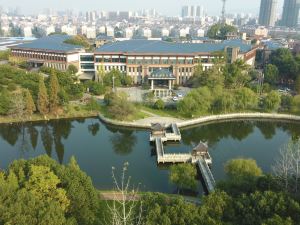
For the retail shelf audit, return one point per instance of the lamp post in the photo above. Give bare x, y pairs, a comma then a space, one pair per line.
113, 80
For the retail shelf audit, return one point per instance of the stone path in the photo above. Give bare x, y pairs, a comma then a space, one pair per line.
157, 119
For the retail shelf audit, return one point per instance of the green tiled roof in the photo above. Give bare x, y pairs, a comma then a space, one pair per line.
51, 43
163, 47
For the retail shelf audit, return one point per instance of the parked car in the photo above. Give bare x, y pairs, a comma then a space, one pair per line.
175, 99
179, 95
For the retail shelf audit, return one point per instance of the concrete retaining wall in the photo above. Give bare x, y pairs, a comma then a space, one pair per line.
207, 119
283, 117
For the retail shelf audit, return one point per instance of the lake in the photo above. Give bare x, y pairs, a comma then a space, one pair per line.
98, 147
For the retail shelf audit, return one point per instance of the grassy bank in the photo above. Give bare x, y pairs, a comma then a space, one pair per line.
69, 112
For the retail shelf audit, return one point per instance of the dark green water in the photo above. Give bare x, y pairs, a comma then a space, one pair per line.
97, 147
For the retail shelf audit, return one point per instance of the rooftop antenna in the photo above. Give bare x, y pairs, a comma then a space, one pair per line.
224, 12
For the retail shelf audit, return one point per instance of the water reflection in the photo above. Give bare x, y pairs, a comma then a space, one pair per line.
123, 142
213, 133
65, 138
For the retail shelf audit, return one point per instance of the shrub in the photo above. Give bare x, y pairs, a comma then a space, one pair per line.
159, 104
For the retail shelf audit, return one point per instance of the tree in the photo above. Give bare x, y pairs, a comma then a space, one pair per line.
287, 167
184, 176
283, 166
219, 31
224, 103
42, 102
114, 77
127, 209
159, 104
100, 74
72, 69
79, 40
297, 85
271, 73
242, 168
53, 93
118, 106
272, 101
283, 59
43, 183
159, 209
296, 104
236, 74
29, 103
245, 98
4, 102
17, 105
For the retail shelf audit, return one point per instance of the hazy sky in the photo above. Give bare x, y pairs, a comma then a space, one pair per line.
168, 7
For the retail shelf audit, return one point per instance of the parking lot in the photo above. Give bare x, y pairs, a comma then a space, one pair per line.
136, 94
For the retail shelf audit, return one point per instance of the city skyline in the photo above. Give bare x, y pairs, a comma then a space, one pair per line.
163, 7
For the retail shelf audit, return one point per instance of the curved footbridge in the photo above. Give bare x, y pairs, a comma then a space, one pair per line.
199, 156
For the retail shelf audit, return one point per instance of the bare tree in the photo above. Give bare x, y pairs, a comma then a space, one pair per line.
296, 162
287, 166
283, 166
126, 207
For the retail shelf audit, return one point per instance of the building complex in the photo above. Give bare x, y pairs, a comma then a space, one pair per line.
139, 59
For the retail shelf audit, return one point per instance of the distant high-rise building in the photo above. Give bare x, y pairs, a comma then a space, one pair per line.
290, 13
192, 11
185, 11
267, 13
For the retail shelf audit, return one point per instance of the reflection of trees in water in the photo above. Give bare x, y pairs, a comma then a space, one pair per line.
268, 129
10, 133
61, 129
123, 142
47, 139
292, 129
34, 135
213, 133
94, 128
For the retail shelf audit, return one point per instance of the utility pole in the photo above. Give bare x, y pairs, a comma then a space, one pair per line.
224, 12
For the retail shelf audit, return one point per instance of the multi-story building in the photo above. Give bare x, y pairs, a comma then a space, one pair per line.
267, 13
136, 58
140, 58
49, 51
290, 13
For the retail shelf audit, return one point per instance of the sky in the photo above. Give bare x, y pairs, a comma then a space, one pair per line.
166, 7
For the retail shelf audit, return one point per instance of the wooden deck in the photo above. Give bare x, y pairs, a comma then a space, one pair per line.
206, 175
200, 160
175, 135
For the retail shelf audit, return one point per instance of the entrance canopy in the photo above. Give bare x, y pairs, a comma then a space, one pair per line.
162, 82
162, 74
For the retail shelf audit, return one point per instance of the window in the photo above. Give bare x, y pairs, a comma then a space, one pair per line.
115, 60
181, 61
189, 61
87, 66
131, 61
156, 61
107, 60
164, 61
139, 61
173, 61
123, 60
87, 58
99, 60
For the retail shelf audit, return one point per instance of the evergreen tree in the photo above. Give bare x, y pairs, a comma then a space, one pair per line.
29, 103
53, 93
42, 102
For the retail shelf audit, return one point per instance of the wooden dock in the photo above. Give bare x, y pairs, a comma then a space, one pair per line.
206, 175
199, 156
165, 136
